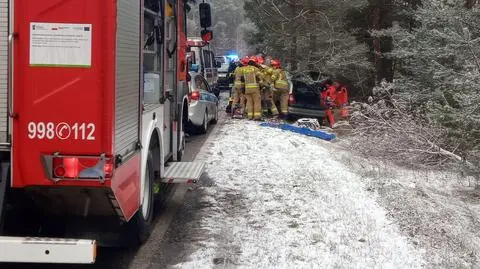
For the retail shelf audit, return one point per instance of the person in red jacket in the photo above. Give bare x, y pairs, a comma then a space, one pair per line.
341, 101
323, 91
328, 96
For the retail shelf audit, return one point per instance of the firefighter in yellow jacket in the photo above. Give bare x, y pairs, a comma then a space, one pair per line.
281, 86
252, 77
268, 79
239, 86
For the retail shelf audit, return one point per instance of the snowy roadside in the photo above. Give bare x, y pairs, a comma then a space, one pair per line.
279, 200
439, 211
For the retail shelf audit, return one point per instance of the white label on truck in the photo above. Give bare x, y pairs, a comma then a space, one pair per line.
60, 44
62, 131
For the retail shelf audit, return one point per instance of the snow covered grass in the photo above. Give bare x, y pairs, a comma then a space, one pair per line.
280, 200
438, 210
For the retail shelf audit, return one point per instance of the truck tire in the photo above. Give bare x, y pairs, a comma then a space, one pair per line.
5, 174
181, 152
141, 224
183, 131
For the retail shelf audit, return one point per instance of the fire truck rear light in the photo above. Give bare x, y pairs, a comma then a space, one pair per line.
59, 171
108, 169
82, 167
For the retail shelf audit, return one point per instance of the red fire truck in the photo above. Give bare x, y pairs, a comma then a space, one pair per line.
93, 100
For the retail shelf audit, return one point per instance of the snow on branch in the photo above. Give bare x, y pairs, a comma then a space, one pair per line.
387, 127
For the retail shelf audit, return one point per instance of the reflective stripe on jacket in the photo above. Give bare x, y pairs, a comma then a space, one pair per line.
239, 81
251, 75
281, 81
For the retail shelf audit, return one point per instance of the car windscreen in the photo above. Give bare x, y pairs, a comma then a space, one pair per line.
199, 83
305, 93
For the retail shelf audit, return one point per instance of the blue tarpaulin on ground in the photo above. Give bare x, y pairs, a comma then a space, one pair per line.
300, 130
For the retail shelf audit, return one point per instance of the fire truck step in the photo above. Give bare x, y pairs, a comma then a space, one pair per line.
183, 172
47, 250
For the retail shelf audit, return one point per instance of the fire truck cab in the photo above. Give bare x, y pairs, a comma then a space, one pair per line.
93, 101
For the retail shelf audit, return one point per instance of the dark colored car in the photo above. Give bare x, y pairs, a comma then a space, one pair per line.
223, 74
226, 79
304, 100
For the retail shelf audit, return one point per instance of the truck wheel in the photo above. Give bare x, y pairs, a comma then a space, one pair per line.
3, 194
183, 131
141, 224
182, 147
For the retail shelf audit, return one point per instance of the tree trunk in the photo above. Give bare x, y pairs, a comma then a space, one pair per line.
293, 47
470, 3
381, 19
313, 70
387, 42
376, 42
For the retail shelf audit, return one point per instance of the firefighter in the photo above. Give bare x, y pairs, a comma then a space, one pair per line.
281, 86
268, 79
252, 76
260, 61
239, 86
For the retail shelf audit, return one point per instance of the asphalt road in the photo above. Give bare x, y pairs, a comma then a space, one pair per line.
153, 253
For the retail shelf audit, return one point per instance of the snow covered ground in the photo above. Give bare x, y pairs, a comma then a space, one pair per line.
275, 199
439, 211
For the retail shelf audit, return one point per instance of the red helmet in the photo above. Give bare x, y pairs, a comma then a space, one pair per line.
260, 60
253, 59
245, 60
275, 63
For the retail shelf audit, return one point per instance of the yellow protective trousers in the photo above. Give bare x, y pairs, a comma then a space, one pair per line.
254, 103
269, 102
238, 98
282, 97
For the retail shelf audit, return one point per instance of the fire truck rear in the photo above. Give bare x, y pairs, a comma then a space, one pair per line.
93, 100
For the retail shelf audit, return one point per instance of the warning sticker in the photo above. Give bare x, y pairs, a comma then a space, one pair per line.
59, 44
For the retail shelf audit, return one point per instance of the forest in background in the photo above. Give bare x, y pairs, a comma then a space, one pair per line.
413, 65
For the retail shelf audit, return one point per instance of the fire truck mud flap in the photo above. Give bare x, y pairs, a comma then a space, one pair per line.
183, 172
47, 250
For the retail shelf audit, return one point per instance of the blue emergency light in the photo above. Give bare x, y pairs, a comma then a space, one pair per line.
233, 57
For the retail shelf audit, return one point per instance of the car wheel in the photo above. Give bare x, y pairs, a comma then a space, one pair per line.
215, 119
204, 127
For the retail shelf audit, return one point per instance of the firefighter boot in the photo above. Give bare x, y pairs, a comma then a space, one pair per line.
273, 108
238, 99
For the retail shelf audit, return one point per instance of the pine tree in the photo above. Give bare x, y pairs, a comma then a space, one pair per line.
437, 72
311, 38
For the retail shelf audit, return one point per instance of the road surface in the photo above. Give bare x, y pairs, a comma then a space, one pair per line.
121, 258
276, 199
